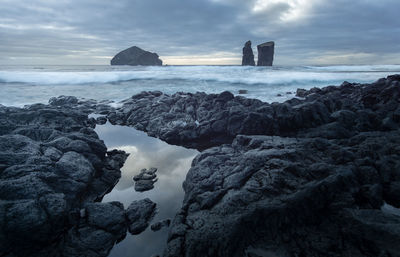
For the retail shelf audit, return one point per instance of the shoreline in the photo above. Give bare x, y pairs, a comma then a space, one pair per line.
294, 172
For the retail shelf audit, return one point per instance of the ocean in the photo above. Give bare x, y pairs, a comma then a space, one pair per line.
20, 85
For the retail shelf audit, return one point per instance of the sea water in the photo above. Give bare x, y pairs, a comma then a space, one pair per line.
172, 162
20, 85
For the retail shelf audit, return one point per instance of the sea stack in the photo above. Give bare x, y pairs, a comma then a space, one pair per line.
266, 54
136, 56
248, 56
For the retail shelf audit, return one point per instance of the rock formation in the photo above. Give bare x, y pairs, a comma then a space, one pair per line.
136, 56
53, 171
248, 56
313, 176
265, 54
145, 180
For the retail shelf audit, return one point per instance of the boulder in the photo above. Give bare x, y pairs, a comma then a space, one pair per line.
265, 54
136, 56
145, 180
248, 56
139, 214
291, 197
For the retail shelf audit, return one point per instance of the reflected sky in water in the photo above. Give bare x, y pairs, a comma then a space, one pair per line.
172, 162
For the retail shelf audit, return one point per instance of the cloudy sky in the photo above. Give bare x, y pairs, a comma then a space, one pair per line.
200, 31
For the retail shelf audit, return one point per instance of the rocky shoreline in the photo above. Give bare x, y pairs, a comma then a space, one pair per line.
307, 177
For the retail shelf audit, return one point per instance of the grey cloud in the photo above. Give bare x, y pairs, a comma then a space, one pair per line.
92, 28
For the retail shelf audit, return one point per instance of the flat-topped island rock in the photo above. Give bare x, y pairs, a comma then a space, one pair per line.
136, 56
266, 54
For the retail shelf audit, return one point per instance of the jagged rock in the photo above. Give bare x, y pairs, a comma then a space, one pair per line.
136, 56
290, 197
266, 54
204, 120
139, 215
317, 176
53, 167
145, 180
160, 224
248, 56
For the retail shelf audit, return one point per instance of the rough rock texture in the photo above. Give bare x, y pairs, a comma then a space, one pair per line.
145, 180
203, 120
53, 171
136, 56
315, 176
248, 56
139, 214
291, 197
321, 192
160, 224
266, 54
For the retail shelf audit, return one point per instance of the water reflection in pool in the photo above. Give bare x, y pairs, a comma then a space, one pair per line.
172, 162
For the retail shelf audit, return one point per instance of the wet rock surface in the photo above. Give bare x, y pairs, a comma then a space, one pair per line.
145, 180
139, 214
318, 191
204, 120
160, 224
54, 170
313, 176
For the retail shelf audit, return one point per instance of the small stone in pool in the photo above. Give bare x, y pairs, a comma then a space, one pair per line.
145, 180
160, 224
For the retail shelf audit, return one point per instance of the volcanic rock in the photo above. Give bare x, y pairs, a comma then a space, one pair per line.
265, 54
248, 56
145, 180
160, 224
53, 171
136, 56
139, 215
291, 197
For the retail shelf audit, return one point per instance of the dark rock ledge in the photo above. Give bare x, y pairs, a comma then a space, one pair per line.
54, 170
307, 177
204, 120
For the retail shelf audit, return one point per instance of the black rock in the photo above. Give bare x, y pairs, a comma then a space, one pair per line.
136, 56
139, 215
145, 180
248, 56
160, 224
265, 54
53, 171
290, 197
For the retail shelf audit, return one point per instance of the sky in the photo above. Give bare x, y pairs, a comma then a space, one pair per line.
310, 32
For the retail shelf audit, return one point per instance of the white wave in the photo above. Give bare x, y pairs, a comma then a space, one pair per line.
226, 74
28, 85
356, 68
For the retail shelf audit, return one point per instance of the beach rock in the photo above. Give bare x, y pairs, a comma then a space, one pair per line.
266, 54
139, 215
204, 120
316, 176
145, 180
248, 56
53, 171
290, 197
161, 224
136, 56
